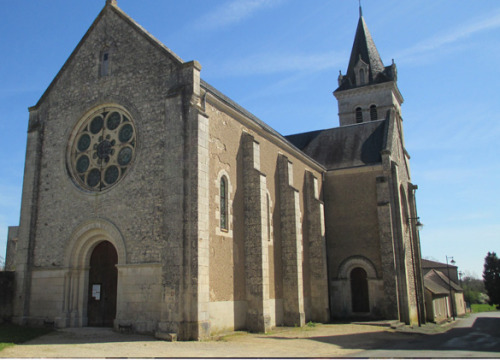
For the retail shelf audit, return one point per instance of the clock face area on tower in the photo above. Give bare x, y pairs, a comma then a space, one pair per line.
101, 148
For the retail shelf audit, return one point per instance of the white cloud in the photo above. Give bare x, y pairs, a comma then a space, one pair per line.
271, 63
233, 12
418, 51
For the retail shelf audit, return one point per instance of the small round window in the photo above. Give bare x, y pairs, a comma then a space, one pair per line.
102, 148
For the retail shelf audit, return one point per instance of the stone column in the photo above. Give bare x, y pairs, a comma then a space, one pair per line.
417, 256
291, 246
387, 251
185, 306
399, 246
195, 321
315, 225
256, 241
23, 259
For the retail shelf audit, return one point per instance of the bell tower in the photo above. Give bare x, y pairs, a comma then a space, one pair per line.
369, 88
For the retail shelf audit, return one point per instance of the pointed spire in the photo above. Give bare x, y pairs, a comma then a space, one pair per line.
365, 65
364, 49
111, 2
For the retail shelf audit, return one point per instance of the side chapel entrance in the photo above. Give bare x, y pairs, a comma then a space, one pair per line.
103, 279
359, 291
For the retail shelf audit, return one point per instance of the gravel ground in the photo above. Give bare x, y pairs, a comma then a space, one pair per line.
332, 340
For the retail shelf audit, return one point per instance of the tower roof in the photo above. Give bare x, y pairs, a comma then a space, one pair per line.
364, 49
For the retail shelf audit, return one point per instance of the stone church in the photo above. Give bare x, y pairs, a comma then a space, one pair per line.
153, 202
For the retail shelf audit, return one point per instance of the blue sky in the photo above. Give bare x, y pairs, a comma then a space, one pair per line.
280, 60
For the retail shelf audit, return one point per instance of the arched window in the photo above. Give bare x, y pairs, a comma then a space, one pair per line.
361, 76
359, 291
223, 203
359, 115
373, 112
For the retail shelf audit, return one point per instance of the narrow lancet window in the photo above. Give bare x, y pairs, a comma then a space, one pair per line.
223, 203
359, 115
268, 206
105, 63
361, 76
373, 112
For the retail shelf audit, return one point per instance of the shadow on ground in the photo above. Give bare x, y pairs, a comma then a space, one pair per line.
483, 336
88, 335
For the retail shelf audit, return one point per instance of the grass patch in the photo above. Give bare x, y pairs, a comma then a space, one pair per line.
14, 334
475, 308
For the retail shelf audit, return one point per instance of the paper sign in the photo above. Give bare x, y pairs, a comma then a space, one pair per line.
96, 291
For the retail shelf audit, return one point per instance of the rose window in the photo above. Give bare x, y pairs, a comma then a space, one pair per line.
102, 148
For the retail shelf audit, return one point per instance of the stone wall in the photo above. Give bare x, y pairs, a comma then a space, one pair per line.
248, 157
10, 255
6, 295
154, 86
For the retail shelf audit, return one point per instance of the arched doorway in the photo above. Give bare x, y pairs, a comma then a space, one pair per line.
103, 279
359, 291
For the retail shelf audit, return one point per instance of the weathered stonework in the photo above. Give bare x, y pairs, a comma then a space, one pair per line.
256, 250
297, 225
292, 249
316, 246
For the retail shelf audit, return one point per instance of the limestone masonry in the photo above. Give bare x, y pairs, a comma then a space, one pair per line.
153, 203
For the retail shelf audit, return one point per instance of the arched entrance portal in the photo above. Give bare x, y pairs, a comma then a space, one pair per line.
359, 291
103, 278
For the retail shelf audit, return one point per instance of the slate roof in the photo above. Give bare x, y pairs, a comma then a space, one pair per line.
364, 48
345, 146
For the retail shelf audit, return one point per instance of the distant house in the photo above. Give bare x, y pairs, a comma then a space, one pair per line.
441, 281
428, 265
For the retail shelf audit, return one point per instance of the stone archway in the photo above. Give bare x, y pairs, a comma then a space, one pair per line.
357, 290
360, 296
77, 289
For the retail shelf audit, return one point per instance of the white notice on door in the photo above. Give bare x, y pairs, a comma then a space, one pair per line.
96, 291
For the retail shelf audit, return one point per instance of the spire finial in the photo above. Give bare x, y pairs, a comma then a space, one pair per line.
360, 10
111, 2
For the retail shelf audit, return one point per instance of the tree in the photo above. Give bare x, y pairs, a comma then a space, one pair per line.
491, 276
473, 288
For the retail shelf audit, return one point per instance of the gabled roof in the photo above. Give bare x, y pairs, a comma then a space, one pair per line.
435, 287
111, 6
364, 49
345, 146
438, 283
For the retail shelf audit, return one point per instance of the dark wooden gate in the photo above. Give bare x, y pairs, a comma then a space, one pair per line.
359, 291
103, 279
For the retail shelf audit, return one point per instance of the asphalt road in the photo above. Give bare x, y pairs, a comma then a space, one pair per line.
476, 336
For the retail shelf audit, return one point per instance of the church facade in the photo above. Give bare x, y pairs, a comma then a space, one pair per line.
151, 201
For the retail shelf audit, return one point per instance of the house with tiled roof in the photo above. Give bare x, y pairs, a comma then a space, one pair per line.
444, 298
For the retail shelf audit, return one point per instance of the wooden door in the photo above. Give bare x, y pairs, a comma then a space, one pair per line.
103, 279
